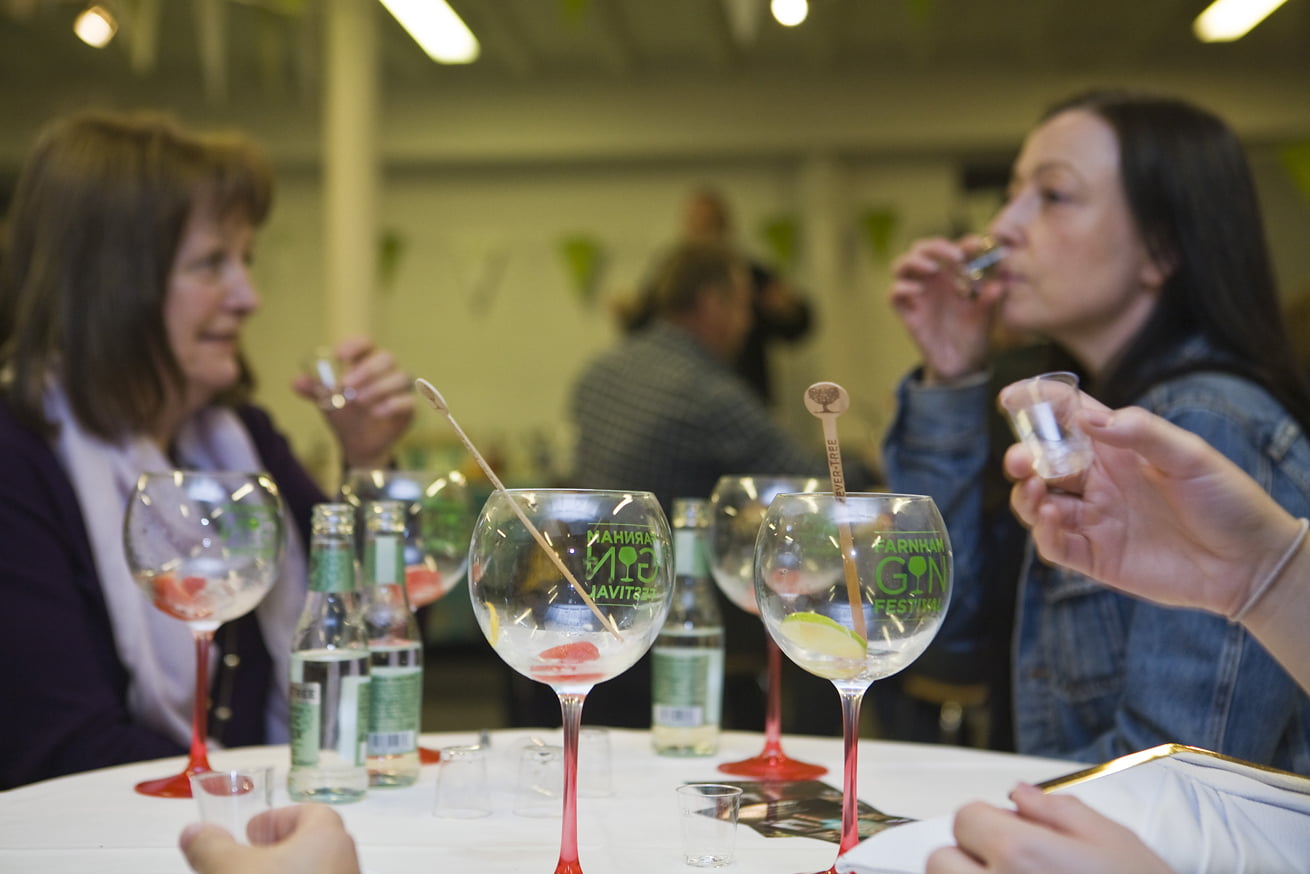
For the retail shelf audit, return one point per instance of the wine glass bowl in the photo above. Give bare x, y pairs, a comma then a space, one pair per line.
571, 630
737, 508
204, 547
438, 522
853, 589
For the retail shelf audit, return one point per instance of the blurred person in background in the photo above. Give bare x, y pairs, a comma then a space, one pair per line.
664, 411
779, 313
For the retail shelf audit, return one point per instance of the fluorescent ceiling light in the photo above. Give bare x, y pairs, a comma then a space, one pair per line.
95, 26
790, 13
437, 29
1227, 20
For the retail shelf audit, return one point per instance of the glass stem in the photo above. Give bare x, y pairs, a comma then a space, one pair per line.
773, 699
198, 761
850, 713
571, 712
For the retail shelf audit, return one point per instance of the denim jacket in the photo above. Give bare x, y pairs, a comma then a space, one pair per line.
1098, 674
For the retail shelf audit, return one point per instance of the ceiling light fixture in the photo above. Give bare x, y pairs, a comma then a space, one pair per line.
437, 28
789, 13
95, 26
1227, 20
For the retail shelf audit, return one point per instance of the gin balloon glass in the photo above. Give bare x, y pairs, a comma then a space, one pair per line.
853, 589
571, 630
438, 522
204, 547
737, 507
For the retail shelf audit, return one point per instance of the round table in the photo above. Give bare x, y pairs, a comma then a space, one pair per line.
95, 822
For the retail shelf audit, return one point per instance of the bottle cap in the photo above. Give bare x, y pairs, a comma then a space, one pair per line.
691, 513
333, 519
385, 516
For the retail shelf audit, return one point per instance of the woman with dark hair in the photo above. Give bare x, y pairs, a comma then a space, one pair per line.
123, 292
1133, 244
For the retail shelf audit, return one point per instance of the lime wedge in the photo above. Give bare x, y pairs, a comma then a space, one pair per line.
823, 646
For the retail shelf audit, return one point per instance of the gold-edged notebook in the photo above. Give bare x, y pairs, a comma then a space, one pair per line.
1189, 755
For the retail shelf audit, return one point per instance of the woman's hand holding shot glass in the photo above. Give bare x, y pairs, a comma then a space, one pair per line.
370, 404
946, 292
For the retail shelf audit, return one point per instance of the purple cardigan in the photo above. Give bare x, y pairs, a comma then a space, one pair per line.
63, 688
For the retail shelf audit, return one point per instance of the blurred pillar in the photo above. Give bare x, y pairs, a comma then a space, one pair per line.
350, 165
822, 183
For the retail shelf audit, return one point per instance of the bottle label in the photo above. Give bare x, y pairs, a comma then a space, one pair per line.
687, 686
689, 553
394, 711
353, 715
385, 560
306, 703
332, 570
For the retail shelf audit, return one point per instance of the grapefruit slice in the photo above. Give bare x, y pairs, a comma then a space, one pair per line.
571, 653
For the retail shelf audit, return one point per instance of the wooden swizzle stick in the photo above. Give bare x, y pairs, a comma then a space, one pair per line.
433, 397
826, 401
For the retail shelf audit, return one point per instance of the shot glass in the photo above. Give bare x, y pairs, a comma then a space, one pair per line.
232, 798
981, 266
709, 823
1042, 411
595, 771
540, 791
327, 370
462, 783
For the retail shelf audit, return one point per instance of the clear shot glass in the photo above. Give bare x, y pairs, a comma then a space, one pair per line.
709, 823
1043, 412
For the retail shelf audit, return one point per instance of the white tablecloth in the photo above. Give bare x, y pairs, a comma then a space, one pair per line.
95, 822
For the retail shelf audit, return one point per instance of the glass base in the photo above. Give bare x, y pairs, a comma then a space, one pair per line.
177, 786
773, 766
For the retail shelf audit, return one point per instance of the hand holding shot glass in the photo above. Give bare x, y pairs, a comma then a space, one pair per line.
981, 266
328, 372
231, 799
1043, 413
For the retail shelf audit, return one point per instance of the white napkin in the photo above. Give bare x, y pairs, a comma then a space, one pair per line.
1202, 813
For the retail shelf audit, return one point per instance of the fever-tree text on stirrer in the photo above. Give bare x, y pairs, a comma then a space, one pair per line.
438, 403
826, 401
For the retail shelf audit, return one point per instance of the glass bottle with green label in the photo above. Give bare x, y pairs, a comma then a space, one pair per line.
687, 658
395, 648
330, 670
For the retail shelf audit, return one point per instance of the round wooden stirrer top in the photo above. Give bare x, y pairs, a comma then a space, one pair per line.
438, 403
826, 401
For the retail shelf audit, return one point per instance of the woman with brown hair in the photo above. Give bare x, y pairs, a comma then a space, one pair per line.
123, 293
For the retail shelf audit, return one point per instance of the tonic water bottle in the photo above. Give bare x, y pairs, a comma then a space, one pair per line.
687, 658
395, 649
329, 670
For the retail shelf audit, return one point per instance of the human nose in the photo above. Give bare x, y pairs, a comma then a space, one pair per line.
1008, 225
242, 294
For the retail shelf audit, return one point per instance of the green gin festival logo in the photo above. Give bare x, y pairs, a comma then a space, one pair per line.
911, 575
623, 562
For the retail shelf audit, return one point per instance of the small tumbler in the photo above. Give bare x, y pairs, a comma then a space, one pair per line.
709, 823
1042, 411
232, 798
462, 783
541, 781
